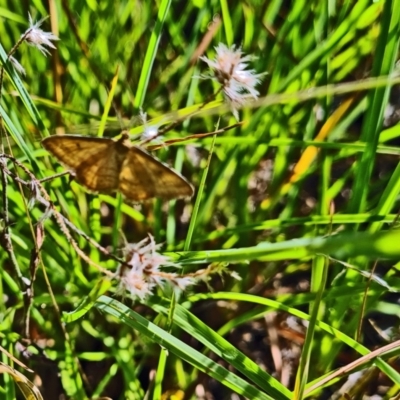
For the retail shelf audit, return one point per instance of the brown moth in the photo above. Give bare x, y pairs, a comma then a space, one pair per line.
105, 165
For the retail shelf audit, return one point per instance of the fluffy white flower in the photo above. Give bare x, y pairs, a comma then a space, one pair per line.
133, 281
36, 37
229, 69
142, 272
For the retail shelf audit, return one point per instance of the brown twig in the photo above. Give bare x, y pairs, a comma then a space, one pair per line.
194, 136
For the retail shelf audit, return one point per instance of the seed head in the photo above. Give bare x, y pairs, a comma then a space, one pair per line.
229, 69
36, 37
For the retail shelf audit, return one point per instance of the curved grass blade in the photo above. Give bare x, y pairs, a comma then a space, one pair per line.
180, 349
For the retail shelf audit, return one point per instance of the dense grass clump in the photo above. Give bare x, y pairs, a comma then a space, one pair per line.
225, 224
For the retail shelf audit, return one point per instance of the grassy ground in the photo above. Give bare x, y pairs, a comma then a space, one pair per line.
291, 235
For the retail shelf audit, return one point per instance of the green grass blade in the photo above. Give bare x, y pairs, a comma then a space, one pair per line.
126, 316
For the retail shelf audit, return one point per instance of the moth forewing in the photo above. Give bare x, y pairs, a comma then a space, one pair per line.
143, 177
72, 150
99, 173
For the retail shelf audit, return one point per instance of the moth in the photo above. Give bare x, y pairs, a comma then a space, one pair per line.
105, 165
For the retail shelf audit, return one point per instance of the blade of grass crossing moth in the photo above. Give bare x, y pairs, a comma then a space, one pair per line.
107, 106
151, 54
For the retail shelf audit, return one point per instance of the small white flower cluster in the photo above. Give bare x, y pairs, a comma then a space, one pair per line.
142, 273
36, 37
229, 69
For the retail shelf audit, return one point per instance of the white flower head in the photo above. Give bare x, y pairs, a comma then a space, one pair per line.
36, 37
133, 281
229, 69
142, 272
